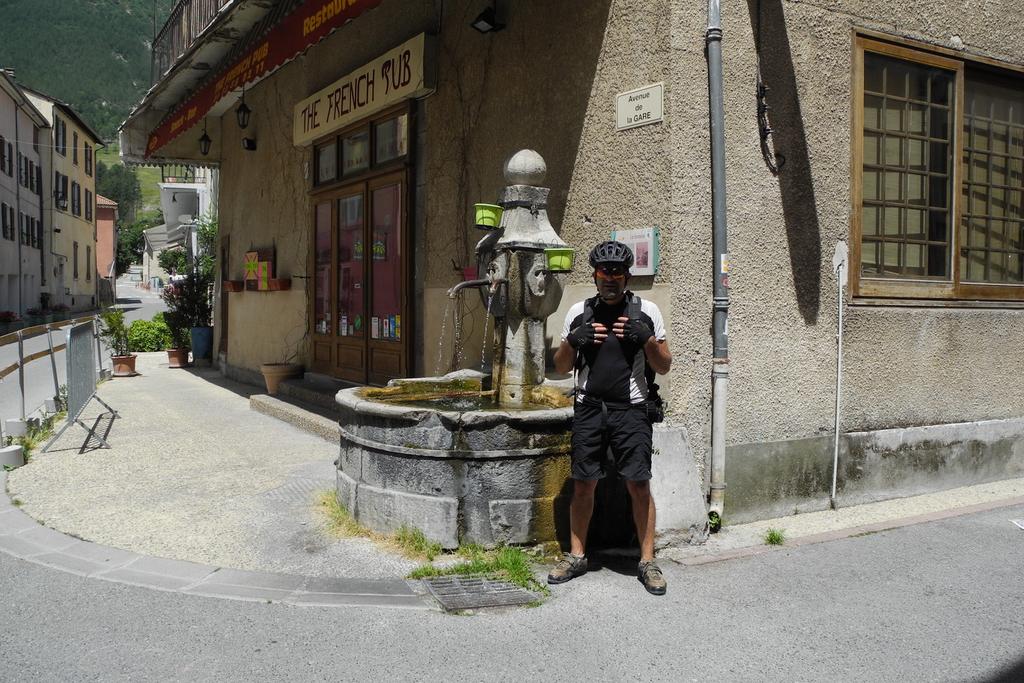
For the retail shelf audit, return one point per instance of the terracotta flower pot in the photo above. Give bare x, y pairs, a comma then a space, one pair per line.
273, 373
232, 285
177, 358
280, 284
124, 366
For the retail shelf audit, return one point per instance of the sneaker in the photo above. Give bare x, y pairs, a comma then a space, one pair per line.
569, 567
651, 577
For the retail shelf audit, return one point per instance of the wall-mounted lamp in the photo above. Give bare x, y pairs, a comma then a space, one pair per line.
243, 112
204, 141
487, 21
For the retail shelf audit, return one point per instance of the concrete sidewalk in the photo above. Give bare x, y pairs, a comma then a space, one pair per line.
195, 475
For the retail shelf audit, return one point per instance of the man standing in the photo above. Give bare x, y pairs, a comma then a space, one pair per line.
617, 343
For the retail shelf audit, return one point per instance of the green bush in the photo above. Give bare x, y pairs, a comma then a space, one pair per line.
148, 335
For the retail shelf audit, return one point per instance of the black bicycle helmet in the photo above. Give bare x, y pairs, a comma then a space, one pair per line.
611, 252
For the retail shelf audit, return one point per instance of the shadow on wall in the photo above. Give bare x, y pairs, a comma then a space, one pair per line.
796, 183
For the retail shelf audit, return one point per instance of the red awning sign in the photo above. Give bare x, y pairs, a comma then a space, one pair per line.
305, 26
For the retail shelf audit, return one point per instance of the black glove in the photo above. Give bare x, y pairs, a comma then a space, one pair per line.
637, 331
581, 336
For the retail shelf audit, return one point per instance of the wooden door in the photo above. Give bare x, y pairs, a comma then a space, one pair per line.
360, 291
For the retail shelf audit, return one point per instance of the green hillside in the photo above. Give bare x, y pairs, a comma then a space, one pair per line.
92, 54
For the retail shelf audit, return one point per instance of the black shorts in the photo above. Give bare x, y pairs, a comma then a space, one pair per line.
626, 431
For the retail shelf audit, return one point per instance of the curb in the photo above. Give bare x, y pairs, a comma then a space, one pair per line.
23, 537
850, 532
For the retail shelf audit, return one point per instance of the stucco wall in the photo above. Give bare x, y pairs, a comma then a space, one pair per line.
903, 366
525, 87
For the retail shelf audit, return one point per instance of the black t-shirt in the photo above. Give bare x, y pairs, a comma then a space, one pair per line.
611, 363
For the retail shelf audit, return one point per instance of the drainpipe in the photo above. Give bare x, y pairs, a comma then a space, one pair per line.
720, 366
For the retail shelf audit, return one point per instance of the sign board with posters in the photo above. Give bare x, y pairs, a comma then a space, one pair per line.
644, 243
399, 74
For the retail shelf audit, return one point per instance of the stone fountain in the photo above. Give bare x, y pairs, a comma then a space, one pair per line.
471, 457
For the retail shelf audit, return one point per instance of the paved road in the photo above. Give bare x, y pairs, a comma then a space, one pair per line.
942, 601
137, 304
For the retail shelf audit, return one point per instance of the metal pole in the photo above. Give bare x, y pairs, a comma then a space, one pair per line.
840, 263
720, 367
21, 371
99, 351
839, 385
53, 365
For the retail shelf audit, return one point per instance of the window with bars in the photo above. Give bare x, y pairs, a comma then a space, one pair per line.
993, 210
939, 197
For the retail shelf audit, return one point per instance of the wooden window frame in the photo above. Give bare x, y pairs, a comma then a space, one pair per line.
373, 169
952, 290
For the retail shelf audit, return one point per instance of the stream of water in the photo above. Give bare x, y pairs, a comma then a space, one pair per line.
440, 342
487, 320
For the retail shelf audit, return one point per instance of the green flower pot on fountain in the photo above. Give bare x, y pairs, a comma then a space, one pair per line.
475, 457
559, 260
488, 216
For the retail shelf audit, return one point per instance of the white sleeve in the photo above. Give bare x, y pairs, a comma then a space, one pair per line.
652, 310
574, 311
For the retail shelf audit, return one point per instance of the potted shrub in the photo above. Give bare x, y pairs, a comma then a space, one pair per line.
190, 297
114, 333
178, 339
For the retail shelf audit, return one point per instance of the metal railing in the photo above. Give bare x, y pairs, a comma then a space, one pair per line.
188, 18
21, 336
177, 173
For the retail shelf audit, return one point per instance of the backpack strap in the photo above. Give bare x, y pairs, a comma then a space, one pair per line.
633, 306
588, 317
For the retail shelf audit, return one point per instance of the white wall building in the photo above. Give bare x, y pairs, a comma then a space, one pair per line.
22, 277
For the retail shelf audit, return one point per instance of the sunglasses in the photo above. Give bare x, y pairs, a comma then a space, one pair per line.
610, 272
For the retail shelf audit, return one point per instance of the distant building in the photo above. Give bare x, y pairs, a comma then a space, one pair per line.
106, 249
69, 204
158, 239
22, 276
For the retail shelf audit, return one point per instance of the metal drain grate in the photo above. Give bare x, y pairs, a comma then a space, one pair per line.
298, 490
471, 592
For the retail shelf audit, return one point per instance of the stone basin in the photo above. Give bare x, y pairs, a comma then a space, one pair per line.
485, 475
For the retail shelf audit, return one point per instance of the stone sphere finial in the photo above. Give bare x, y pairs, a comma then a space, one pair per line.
526, 167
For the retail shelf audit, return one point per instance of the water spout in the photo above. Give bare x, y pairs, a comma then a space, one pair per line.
454, 291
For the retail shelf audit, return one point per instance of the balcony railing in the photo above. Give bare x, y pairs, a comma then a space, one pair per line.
176, 173
187, 20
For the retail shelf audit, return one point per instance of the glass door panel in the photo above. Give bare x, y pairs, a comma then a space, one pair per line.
322, 265
386, 308
351, 267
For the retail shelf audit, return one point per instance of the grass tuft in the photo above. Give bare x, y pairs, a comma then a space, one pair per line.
407, 540
340, 521
774, 537
413, 542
